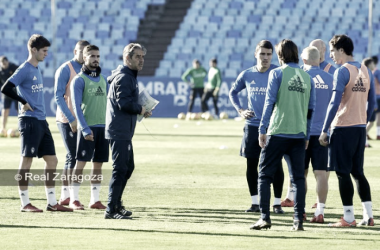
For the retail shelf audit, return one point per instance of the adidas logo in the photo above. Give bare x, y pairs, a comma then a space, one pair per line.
348, 211
22, 194
99, 92
51, 192
296, 84
94, 188
34, 78
64, 189
359, 86
319, 83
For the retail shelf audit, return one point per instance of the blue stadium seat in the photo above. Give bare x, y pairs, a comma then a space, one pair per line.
216, 19
234, 33
236, 5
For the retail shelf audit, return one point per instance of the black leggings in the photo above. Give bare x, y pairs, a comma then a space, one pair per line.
207, 95
252, 177
193, 94
346, 188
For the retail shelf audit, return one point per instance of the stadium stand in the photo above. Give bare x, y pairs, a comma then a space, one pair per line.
228, 30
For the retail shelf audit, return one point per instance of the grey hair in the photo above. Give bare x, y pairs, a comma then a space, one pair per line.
130, 49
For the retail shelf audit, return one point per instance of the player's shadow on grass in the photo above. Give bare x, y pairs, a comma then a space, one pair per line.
18, 198
192, 210
250, 233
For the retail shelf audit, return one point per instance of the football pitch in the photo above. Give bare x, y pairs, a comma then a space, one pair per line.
188, 191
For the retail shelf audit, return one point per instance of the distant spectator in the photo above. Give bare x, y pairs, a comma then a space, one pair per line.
6, 70
212, 87
197, 75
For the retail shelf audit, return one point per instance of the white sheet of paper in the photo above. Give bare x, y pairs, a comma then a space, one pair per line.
148, 102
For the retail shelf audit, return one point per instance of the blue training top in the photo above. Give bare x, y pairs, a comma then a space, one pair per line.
341, 79
29, 85
274, 83
62, 76
256, 84
323, 91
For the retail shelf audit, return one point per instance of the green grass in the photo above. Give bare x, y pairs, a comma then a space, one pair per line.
185, 193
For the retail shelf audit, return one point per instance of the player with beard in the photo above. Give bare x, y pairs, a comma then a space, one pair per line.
89, 97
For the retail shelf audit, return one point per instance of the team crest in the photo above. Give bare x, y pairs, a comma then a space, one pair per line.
129, 147
32, 150
71, 134
83, 152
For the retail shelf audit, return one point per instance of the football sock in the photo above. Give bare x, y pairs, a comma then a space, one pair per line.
348, 213
255, 199
367, 210
290, 194
50, 195
277, 201
320, 209
378, 130
74, 195
95, 189
65, 193
24, 196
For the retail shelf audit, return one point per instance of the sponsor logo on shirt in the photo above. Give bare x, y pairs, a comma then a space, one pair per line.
319, 83
199, 75
37, 87
258, 90
96, 92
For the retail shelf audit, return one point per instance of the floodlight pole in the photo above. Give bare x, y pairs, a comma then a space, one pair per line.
54, 29
370, 7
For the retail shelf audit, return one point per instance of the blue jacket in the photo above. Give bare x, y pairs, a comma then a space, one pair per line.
122, 104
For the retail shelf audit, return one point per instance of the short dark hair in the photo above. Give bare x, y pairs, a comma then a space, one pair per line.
342, 42
196, 61
375, 59
82, 43
264, 44
213, 60
287, 51
90, 47
367, 61
38, 41
3, 58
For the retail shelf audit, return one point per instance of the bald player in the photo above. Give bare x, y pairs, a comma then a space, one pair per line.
327, 67
321, 46
315, 153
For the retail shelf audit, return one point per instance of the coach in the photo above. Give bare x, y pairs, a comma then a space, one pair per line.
121, 116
